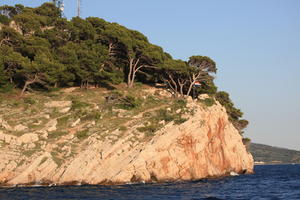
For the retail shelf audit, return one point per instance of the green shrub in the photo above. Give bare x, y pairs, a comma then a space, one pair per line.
234, 113
151, 100
150, 128
138, 84
246, 140
56, 158
56, 134
5, 88
247, 143
52, 95
29, 153
43, 160
208, 102
180, 120
118, 100
76, 105
129, 103
149, 134
53, 89
62, 121
114, 96
80, 113
162, 114
207, 87
15, 104
123, 128
180, 103
82, 134
4, 20
29, 101
241, 124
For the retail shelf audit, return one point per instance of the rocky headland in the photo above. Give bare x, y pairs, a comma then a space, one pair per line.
72, 136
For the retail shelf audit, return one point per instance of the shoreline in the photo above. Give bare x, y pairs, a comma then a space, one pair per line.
276, 164
45, 184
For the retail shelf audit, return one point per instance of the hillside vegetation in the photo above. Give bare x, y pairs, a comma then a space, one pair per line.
41, 51
274, 155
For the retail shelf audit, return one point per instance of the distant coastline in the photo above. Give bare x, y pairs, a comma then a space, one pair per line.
269, 155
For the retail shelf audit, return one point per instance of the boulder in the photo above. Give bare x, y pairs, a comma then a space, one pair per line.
65, 110
189, 99
28, 138
51, 125
20, 127
203, 96
178, 111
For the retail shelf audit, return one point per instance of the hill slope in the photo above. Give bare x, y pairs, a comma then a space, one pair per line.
270, 154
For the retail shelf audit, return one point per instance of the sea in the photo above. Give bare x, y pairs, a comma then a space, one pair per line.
268, 182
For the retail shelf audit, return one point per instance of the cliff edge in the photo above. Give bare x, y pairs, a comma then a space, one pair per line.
204, 144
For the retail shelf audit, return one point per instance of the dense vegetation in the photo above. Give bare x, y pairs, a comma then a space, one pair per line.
40, 50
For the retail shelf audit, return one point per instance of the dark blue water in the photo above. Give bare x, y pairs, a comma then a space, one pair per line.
269, 182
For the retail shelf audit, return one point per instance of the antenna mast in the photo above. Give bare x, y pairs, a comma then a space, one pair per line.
78, 8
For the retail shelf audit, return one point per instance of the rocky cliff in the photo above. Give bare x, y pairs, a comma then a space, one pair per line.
205, 144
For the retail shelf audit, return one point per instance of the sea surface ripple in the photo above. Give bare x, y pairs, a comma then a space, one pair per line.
269, 182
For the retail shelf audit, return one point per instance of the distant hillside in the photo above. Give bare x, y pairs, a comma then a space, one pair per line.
269, 154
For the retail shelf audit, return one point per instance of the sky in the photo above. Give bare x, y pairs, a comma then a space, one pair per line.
255, 43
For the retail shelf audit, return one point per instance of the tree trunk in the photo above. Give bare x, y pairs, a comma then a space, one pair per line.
28, 82
132, 71
181, 84
181, 89
173, 85
193, 80
24, 88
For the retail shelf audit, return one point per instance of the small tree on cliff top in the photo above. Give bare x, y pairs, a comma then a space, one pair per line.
181, 76
201, 67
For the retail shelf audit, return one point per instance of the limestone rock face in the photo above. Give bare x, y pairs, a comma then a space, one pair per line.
206, 145
192, 150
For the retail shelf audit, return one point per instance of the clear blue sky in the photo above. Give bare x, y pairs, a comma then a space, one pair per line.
255, 43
